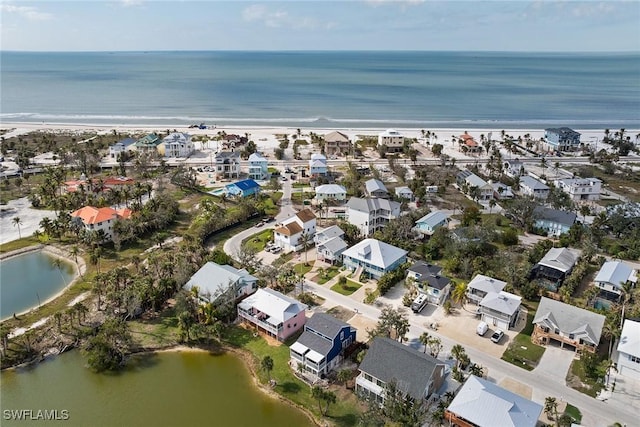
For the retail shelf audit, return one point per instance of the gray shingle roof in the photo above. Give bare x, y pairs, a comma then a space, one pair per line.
425, 269
532, 183
315, 342
369, 205
325, 324
329, 233
335, 245
561, 259
213, 278
389, 360
554, 215
570, 319
375, 185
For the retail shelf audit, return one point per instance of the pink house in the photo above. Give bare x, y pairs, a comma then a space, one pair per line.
274, 313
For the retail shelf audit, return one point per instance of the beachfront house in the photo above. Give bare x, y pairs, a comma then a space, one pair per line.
556, 264
370, 215
514, 168
429, 281
531, 187
318, 165
244, 188
330, 244
148, 144
580, 189
215, 282
562, 139
429, 223
392, 140
405, 193
123, 146
273, 313
629, 350
227, 164
553, 221
337, 143
290, 234
258, 167
330, 192
480, 286
474, 186
375, 188
175, 145
414, 373
611, 278
500, 309
567, 326
481, 403
100, 220
468, 144
373, 258
322, 345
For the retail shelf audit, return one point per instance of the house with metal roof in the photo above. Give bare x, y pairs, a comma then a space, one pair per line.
556, 264
327, 192
318, 165
289, 234
611, 277
474, 186
322, 345
122, 146
531, 187
566, 325
429, 223
148, 144
481, 403
258, 167
580, 189
500, 309
404, 192
273, 313
501, 191
481, 285
373, 257
375, 188
391, 139
629, 350
553, 221
176, 145
336, 143
330, 244
370, 215
414, 373
430, 282
244, 188
562, 139
216, 281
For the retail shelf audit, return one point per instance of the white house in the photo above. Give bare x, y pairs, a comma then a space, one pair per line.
375, 188
288, 235
330, 192
629, 350
176, 144
404, 192
214, 281
611, 277
318, 165
370, 215
429, 223
392, 139
467, 181
530, 186
258, 167
500, 309
122, 146
501, 191
330, 244
95, 219
480, 286
580, 189
514, 168
227, 164
373, 257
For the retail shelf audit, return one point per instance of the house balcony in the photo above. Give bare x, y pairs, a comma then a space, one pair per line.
542, 336
259, 321
475, 298
371, 387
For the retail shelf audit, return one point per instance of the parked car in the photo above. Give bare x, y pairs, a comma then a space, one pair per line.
276, 250
482, 328
284, 178
497, 336
260, 224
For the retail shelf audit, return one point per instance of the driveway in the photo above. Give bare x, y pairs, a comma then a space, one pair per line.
555, 364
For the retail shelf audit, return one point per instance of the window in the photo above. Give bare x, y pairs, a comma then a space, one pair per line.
634, 359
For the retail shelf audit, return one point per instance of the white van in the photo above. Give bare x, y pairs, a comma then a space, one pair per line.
482, 328
419, 303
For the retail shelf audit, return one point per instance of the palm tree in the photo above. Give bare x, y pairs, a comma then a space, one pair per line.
492, 203
425, 338
551, 407
459, 293
305, 244
458, 352
17, 221
267, 366
476, 370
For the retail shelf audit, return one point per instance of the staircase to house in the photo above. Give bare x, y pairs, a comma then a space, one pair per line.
358, 272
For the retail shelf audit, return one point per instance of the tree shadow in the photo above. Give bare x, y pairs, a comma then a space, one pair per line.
344, 420
290, 387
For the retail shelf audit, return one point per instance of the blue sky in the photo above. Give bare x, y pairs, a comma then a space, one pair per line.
320, 25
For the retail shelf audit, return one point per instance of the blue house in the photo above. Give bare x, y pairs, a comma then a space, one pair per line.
562, 139
553, 221
321, 346
242, 188
429, 223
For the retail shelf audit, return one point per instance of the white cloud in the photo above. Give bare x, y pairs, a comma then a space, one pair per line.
277, 18
402, 3
130, 3
28, 12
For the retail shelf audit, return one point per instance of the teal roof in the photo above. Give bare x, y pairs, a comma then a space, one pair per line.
150, 140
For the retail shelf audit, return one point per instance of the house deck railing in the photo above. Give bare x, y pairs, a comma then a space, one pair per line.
256, 321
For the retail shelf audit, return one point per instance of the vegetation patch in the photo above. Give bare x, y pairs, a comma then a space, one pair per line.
258, 241
522, 352
586, 374
326, 274
574, 413
302, 268
346, 286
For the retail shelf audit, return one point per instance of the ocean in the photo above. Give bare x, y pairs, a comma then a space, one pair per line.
324, 89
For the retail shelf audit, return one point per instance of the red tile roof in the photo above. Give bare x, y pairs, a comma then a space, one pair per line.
92, 215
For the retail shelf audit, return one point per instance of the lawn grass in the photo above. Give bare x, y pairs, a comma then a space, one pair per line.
25, 242
589, 386
574, 413
343, 413
302, 269
522, 352
346, 289
259, 240
161, 331
328, 274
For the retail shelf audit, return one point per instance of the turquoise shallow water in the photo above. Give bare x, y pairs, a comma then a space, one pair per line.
332, 89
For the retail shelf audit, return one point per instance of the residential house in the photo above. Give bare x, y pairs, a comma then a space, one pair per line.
480, 286
567, 325
244, 188
336, 143
330, 244
556, 264
288, 235
370, 215
553, 221
273, 313
318, 165
94, 219
122, 146
514, 168
175, 145
611, 278
429, 223
530, 186
392, 140
375, 188
258, 167
227, 164
430, 282
330, 192
404, 192
481, 403
414, 373
500, 309
562, 139
97, 185
148, 144
474, 186
215, 281
580, 189
322, 345
629, 350
373, 257
501, 191
470, 144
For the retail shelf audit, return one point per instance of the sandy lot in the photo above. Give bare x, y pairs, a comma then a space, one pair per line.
30, 219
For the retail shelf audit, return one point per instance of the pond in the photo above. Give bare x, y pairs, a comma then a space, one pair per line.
28, 280
165, 389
